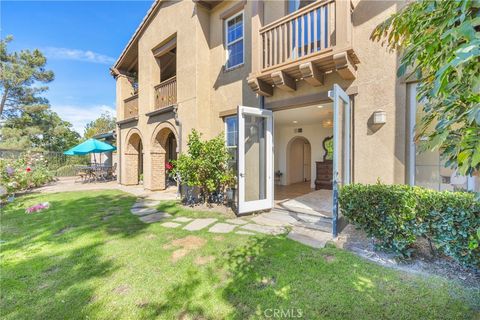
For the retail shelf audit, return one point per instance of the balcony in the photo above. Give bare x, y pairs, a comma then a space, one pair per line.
166, 93
131, 107
305, 45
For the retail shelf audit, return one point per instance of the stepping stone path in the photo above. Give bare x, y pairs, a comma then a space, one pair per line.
270, 223
145, 204
236, 221
182, 219
154, 217
199, 224
309, 237
264, 229
171, 224
222, 228
244, 232
143, 211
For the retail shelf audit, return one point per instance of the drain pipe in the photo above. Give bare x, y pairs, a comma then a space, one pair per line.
179, 143
262, 102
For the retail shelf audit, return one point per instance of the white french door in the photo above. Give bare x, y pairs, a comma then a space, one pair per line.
341, 146
255, 159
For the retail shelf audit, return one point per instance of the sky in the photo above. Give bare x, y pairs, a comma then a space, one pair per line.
81, 40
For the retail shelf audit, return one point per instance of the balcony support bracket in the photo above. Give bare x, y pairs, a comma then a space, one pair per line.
312, 74
260, 87
344, 66
284, 81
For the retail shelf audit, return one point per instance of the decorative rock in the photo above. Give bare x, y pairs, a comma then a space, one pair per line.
199, 224
154, 217
170, 224
143, 211
182, 219
236, 221
263, 229
222, 228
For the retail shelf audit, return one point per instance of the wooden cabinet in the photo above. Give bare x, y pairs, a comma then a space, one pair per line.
324, 175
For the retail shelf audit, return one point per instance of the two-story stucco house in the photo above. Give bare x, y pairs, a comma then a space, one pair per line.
303, 96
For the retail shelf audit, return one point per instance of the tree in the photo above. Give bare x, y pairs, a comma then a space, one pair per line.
439, 42
105, 123
29, 123
37, 128
19, 77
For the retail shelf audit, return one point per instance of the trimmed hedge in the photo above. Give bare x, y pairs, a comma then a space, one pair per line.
396, 215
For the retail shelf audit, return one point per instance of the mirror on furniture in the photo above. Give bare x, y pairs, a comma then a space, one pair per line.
324, 174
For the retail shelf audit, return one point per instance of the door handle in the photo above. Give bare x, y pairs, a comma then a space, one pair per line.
241, 175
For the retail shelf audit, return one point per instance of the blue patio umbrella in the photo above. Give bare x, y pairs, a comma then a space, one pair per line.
90, 146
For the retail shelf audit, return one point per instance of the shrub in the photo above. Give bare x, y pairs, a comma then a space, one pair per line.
450, 220
385, 212
205, 165
396, 214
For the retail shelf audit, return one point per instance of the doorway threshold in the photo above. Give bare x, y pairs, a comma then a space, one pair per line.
315, 203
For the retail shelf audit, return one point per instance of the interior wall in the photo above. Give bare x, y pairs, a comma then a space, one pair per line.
313, 133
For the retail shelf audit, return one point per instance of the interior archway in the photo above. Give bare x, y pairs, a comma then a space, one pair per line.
299, 154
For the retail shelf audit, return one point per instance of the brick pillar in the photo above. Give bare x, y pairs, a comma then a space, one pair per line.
130, 175
157, 171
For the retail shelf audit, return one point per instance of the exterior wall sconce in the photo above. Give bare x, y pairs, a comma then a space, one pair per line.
380, 117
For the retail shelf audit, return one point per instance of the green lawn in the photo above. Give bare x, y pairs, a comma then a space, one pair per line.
88, 258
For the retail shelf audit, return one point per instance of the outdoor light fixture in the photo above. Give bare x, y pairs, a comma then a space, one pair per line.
380, 117
327, 123
295, 121
319, 107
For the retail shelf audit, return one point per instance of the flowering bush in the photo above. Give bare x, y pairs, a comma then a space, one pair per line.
22, 174
38, 207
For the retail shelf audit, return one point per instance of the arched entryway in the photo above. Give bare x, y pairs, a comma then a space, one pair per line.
164, 149
133, 159
299, 154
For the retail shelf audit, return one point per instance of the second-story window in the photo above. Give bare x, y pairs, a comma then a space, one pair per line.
234, 40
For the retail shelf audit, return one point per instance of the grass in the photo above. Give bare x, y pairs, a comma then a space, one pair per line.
87, 257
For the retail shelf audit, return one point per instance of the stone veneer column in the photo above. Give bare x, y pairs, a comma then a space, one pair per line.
130, 175
157, 171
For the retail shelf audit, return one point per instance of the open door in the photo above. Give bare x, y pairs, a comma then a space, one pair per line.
255, 159
341, 147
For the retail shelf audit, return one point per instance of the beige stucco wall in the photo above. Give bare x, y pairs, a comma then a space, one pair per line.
379, 153
315, 134
204, 88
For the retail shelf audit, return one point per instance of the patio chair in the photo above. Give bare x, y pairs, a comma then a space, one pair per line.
82, 173
111, 171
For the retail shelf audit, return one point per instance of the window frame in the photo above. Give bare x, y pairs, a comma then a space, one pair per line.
412, 105
234, 147
242, 38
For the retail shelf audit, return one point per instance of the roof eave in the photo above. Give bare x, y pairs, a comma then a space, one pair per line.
137, 32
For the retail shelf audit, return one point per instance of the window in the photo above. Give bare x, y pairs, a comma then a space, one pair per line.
231, 137
294, 5
427, 169
234, 40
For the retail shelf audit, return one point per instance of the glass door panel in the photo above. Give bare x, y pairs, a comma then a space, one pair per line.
255, 152
341, 147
